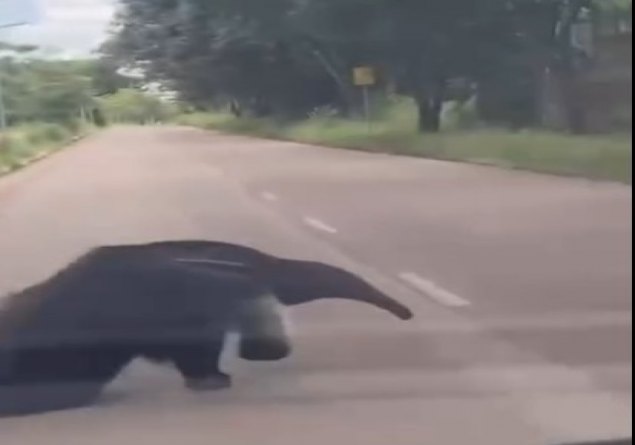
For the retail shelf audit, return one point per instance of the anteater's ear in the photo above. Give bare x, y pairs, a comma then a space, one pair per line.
264, 335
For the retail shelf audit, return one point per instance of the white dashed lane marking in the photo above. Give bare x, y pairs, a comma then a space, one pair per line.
320, 225
434, 291
268, 196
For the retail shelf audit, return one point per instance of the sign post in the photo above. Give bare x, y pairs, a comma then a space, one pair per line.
365, 77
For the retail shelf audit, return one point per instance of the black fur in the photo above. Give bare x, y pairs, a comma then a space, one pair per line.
63, 340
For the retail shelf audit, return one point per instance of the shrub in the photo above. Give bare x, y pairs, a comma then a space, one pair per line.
601, 157
20, 144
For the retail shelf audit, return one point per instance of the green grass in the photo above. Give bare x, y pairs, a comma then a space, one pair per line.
21, 145
596, 157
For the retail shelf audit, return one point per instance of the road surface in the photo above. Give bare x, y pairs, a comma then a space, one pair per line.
520, 282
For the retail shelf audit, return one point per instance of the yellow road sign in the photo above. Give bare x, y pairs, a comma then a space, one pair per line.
364, 76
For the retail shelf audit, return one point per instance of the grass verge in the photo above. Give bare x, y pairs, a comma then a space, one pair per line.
605, 157
25, 144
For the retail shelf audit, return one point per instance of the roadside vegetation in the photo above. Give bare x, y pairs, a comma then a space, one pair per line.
541, 85
533, 84
598, 157
133, 106
26, 143
47, 104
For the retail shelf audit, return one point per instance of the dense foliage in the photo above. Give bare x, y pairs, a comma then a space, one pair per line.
134, 106
287, 57
36, 90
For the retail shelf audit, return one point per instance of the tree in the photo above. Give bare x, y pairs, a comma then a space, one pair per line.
135, 106
223, 52
105, 75
544, 42
44, 90
284, 57
420, 45
7, 46
291, 55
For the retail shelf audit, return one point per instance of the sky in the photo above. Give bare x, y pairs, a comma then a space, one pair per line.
67, 28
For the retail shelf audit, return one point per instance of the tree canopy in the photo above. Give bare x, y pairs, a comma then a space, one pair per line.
55, 90
135, 106
49, 91
287, 57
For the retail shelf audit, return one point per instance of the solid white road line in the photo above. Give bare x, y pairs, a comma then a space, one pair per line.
271, 197
320, 225
434, 291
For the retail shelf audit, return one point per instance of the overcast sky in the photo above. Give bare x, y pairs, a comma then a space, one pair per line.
75, 27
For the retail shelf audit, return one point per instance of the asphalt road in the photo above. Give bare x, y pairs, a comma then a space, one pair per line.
520, 282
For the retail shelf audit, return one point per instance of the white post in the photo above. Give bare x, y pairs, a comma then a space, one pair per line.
3, 111
367, 109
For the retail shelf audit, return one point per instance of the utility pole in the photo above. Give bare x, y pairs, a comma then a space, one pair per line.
3, 108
